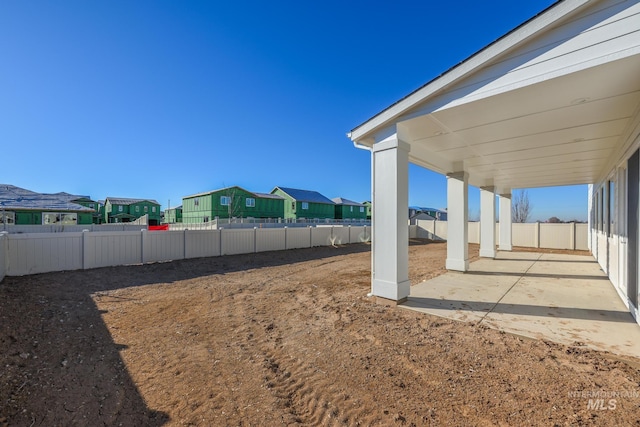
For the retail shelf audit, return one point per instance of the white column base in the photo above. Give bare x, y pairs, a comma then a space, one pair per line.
391, 290
457, 264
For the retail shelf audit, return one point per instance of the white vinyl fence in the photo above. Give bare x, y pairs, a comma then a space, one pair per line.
22, 254
32, 253
572, 236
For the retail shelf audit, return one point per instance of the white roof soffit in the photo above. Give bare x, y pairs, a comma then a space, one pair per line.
548, 104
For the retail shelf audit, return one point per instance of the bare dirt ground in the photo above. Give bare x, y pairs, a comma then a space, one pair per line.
281, 338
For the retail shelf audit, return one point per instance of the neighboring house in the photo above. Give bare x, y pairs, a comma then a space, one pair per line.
173, 215
305, 204
24, 207
230, 202
367, 204
431, 213
84, 201
118, 209
348, 209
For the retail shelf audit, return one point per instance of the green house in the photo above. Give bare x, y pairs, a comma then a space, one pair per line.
305, 204
24, 207
367, 204
348, 209
118, 209
230, 202
173, 215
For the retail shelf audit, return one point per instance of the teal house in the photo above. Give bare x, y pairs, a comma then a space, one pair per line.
119, 209
230, 202
305, 204
349, 210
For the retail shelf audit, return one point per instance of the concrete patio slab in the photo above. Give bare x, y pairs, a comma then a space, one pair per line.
557, 297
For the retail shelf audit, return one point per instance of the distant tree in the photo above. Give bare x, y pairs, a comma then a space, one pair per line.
554, 220
521, 207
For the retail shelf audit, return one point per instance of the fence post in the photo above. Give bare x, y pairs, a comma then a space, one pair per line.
184, 244
4, 252
310, 237
573, 236
255, 240
537, 234
143, 234
84, 248
286, 246
349, 233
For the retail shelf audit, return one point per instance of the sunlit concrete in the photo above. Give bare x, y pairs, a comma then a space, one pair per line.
561, 298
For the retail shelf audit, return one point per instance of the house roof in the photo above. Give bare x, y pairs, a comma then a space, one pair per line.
257, 195
343, 201
125, 201
553, 102
12, 197
422, 208
305, 195
268, 196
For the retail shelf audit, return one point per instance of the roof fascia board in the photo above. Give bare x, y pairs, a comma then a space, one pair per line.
516, 37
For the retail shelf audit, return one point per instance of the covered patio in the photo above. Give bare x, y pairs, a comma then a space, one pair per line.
554, 102
556, 297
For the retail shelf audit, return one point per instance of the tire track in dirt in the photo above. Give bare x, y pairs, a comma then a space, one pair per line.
305, 393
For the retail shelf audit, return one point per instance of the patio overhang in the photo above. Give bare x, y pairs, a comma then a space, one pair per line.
551, 103
554, 102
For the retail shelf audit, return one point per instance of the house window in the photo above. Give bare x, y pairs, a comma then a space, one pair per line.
361, 209
305, 205
137, 208
196, 201
251, 202
225, 200
350, 208
293, 206
146, 208
120, 208
7, 217
153, 209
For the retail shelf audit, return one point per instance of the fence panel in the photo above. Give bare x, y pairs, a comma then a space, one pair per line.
162, 246
270, 239
3, 255
556, 236
298, 238
340, 235
238, 241
320, 236
359, 234
582, 237
524, 234
201, 243
44, 252
107, 249
473, 230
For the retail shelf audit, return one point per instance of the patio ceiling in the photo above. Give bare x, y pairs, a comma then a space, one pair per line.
561, 131
549, 114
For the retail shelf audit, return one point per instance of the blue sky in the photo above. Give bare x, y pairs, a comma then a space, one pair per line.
163, 99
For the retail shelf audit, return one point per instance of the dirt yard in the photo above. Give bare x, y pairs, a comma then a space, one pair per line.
281, 338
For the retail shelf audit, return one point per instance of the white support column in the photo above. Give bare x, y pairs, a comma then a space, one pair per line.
457, 218
390, 239
505, 222
487, 222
